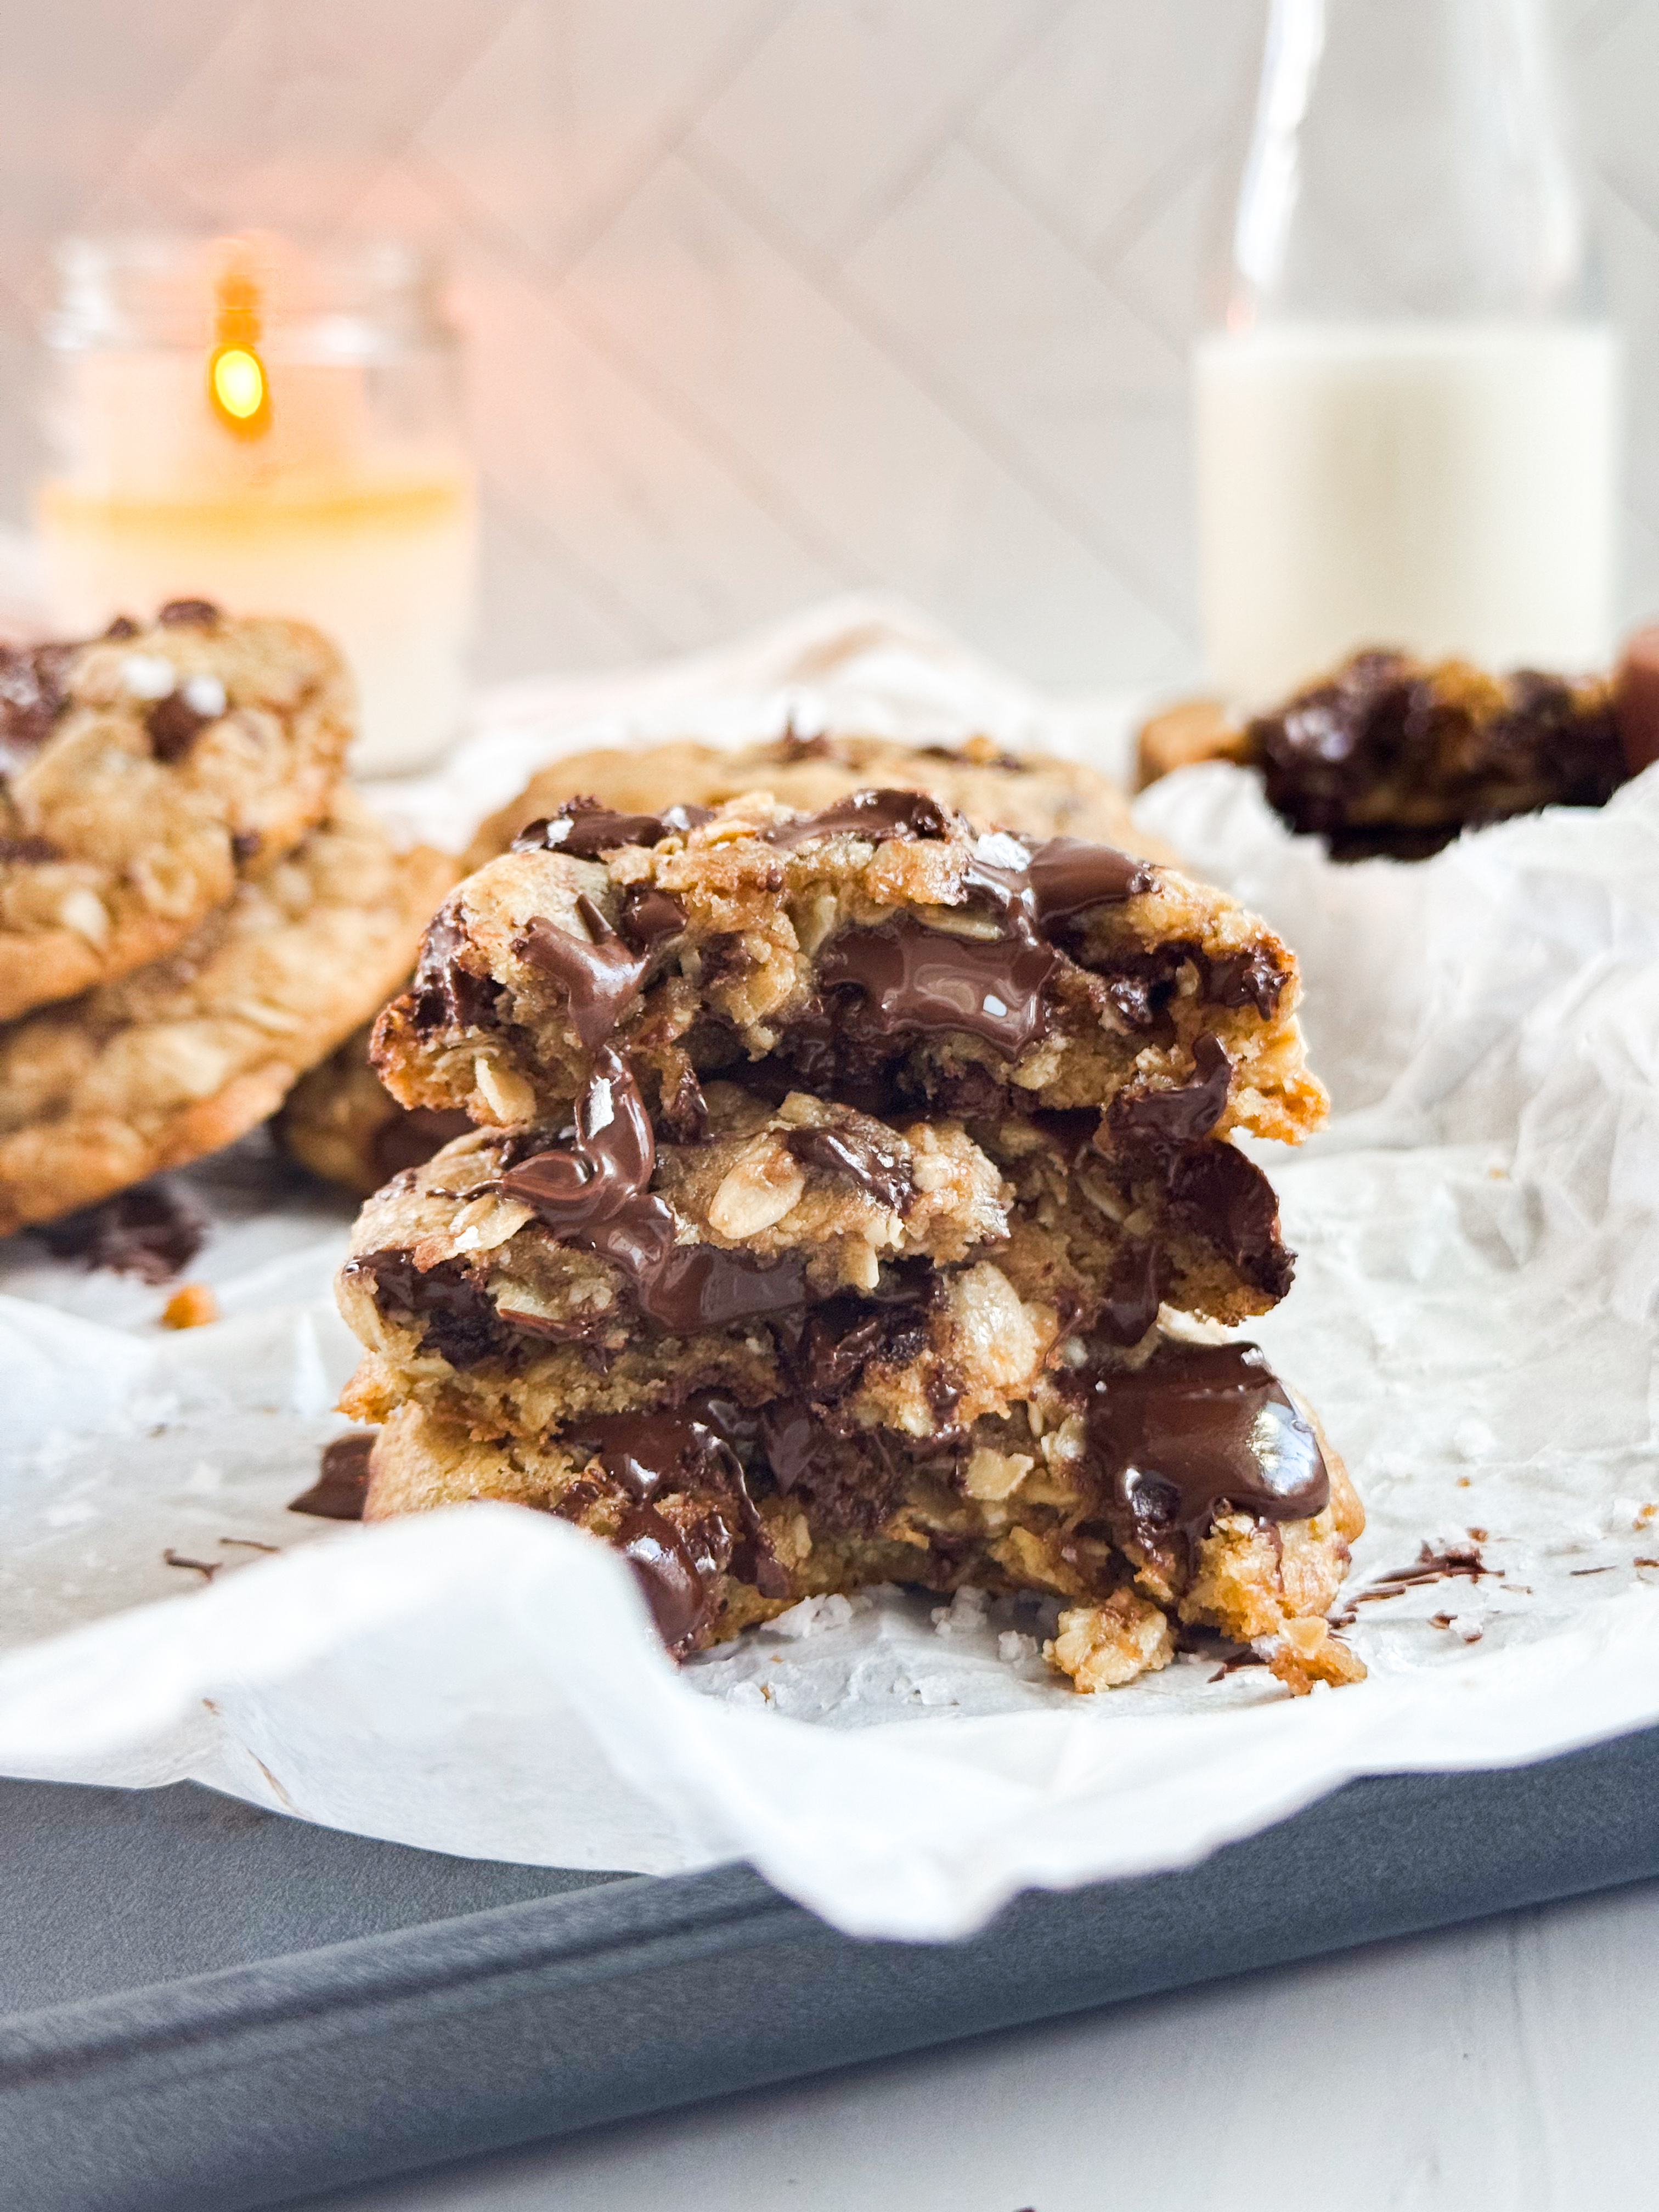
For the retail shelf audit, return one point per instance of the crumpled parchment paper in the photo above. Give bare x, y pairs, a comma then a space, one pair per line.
1472, 1317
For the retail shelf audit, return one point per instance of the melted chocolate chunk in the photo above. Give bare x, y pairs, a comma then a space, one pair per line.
446, 1302
341, 1489
879, 1169
1182, 1113
190, 614
1069, 877
33, 851
1202, 1429
32, 695
596, 1194
650, 1457
667, 1573
174, 726
1245, 979
1227, 1198
600, 974
446, 995
148, 1232
872, 814
1389, 755
684, 1110
911, 979
584, 829
413, 1136
650, 917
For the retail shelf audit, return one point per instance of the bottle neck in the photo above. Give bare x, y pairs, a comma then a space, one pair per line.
1407, 159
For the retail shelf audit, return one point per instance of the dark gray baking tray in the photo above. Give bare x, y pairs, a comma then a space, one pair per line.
204, 2005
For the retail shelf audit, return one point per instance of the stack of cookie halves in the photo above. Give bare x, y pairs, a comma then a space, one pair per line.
193, 907
852, 1200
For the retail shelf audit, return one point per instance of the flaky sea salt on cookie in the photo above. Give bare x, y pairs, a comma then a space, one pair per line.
880, 948
145, 773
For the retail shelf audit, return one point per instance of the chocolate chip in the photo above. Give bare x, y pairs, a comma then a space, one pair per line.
872, 814
190, 614
123, 627
35, 850
244, 844
341, 1489
174, 726
32, 693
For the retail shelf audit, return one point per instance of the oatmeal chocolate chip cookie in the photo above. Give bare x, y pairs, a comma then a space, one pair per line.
186, 1053
890, 1268
1390, 755
145, 774
1187, 1490
341, 1122
1034, 795
880, 949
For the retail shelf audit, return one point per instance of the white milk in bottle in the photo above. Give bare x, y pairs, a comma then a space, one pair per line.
1407, 426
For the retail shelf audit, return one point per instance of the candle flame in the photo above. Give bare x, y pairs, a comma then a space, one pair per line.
237, 385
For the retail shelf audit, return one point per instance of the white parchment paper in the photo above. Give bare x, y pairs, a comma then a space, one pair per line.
1473, 1316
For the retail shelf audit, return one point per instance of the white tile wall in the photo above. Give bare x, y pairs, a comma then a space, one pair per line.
765, 297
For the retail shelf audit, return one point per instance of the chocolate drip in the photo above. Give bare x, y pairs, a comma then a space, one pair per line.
445, 994
1201, 1430
412, 1137
666, 1570
584, 828
599, 971
1180, 1113
596, 1194
912, 978
879, 1169
872, 814
652, 1456
148, 1232
341, 1490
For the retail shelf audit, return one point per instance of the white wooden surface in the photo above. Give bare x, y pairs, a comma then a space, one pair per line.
765, 297
1507, 2067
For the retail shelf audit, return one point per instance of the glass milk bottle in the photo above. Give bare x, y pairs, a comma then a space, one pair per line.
276, 431
1407, 422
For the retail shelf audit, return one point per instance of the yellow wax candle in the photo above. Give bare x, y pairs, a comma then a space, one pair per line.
346, 499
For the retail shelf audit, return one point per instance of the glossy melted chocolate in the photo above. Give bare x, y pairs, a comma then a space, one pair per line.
1200, 1430
341, 1489
651, 1456
879, 1170
902, 977
600, 973
596, 1193
584, 829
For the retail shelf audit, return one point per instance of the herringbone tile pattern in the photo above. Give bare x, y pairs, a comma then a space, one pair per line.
765, 297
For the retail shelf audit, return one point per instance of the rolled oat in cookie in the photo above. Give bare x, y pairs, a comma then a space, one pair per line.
181, 1056
147, 773
880, 950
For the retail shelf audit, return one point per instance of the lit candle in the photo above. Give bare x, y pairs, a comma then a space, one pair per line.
279, 436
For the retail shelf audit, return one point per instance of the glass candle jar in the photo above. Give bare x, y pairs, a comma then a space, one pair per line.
280, 433
1408, 413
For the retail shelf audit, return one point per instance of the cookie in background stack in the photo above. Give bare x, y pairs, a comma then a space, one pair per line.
855, 1201
194, 908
